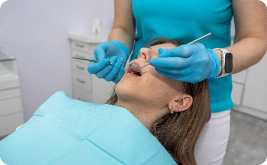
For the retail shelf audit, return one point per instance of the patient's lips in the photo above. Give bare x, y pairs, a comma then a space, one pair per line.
132, 71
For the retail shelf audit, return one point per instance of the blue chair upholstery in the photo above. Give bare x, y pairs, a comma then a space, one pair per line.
66, 131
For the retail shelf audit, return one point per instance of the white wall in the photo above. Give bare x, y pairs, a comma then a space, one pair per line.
35, 32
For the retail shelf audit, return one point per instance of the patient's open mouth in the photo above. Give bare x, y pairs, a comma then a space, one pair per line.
134, 72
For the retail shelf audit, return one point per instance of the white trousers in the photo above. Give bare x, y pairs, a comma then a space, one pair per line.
211, 145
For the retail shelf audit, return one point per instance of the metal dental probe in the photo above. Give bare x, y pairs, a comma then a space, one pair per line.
139, 68
89, 60
200, 38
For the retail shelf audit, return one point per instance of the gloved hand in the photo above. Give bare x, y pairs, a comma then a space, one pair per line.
187, 63
115, 52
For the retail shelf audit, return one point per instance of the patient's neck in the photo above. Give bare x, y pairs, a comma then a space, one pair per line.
147, 114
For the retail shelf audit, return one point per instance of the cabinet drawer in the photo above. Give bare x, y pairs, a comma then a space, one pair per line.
83, 81
9, 123
237, 93
81, 94
10, 82
81, 46
80, 67
10, 93
75, 53
10, 106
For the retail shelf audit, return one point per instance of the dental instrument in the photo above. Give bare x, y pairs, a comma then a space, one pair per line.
137, 68
89, 60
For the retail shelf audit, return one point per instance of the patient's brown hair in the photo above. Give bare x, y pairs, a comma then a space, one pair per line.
178, 132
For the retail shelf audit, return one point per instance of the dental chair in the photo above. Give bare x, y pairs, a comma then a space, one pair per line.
66, 131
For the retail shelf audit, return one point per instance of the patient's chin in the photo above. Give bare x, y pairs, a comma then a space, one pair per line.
124, 85
123, 89
127, 92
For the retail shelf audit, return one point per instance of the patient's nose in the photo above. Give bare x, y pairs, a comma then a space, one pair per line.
144, 54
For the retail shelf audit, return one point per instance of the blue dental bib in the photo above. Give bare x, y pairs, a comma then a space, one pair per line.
66, 131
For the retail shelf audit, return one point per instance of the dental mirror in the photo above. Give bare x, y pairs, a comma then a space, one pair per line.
137, 68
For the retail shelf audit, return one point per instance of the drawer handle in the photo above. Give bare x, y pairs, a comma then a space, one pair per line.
78, 45
80, 81
79, 67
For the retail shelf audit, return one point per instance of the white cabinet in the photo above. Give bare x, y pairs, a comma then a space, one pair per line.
87, 87
11, 114
250, 90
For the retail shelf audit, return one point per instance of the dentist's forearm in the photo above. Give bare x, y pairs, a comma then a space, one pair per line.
246, 53
122, 36
250, 18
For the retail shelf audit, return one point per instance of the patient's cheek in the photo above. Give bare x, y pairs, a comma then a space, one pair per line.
156, 86
151, 87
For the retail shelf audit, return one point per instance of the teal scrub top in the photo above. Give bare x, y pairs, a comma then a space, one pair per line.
187, 20
64, 131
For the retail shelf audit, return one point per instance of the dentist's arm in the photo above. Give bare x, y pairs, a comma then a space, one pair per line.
250, 42
183, 63
123, 28
118, 49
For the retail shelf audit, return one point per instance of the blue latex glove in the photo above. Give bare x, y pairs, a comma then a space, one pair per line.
187, 63
115, 52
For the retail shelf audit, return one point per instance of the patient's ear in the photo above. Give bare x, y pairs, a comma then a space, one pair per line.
181, 103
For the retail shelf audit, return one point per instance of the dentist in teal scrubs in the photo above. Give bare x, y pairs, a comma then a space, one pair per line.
138, 21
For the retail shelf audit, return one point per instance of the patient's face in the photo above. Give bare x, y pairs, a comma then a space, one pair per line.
149, 87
